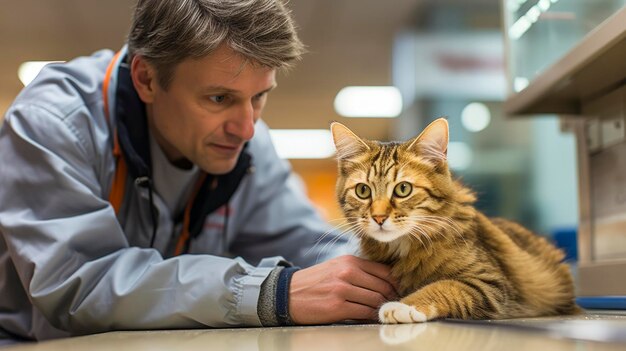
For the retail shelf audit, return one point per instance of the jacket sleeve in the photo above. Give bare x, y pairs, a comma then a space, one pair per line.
72, 257
277, 216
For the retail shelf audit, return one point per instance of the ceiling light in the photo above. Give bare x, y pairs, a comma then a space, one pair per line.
523, 24
475, 117
520, 83
369, 102
303, 143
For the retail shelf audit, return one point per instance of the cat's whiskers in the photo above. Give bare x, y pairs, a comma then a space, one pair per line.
328, 232
432, 233
418, 235
449, 223
426, 233
346, 228
356, 231
401, 221
445, 223
437, 223
330, 245
448, 220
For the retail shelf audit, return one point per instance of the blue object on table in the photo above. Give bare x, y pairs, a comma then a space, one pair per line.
602, 302
566, 239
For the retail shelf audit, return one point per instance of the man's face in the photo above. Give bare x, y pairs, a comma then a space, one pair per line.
209, 109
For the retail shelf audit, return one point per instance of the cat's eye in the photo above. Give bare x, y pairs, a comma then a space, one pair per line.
363, 191
403, 189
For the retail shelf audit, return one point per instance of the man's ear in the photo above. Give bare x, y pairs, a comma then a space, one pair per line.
144, 79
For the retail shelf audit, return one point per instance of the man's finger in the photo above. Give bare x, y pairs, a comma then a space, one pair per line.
365, 297
377, 269
357, 311
371, 282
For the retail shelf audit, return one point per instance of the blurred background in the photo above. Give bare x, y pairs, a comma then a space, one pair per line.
436, 58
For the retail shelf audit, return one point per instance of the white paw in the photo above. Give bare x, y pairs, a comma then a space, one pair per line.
397, 312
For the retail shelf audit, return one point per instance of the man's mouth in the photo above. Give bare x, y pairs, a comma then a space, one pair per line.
225, 149
226, 146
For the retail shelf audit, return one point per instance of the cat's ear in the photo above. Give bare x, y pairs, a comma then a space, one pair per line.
433, 141
347, 143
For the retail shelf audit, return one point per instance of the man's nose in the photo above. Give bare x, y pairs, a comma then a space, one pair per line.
242, 122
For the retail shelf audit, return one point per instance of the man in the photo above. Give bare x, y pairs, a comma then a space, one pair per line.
141, 191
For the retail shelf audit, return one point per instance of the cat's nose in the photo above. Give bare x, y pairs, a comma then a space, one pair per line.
380, 219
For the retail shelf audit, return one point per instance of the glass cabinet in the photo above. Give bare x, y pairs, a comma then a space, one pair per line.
540, 32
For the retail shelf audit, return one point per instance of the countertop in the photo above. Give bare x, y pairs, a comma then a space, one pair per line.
584, 332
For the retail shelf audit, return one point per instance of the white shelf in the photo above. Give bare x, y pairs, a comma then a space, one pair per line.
592, 68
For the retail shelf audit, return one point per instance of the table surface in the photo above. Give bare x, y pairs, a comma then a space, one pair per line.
586, 332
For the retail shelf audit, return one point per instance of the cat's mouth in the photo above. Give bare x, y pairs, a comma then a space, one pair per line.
383, 234
380, 229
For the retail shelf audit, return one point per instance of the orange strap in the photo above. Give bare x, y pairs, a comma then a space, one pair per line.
184, 236
105, 85
116, 195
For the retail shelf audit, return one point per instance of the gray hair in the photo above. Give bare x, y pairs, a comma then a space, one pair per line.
165, 32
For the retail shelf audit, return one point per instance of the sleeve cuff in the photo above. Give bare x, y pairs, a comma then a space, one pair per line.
273, 305
266, 308
282, 296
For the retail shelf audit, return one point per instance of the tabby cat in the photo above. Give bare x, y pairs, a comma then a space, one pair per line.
450, 260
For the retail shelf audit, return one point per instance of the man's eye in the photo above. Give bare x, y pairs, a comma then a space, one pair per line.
259, 96
218, 98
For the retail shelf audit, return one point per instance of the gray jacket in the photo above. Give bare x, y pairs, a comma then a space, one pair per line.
69, 265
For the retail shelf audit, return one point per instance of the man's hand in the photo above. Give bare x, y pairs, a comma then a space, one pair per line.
345, 287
